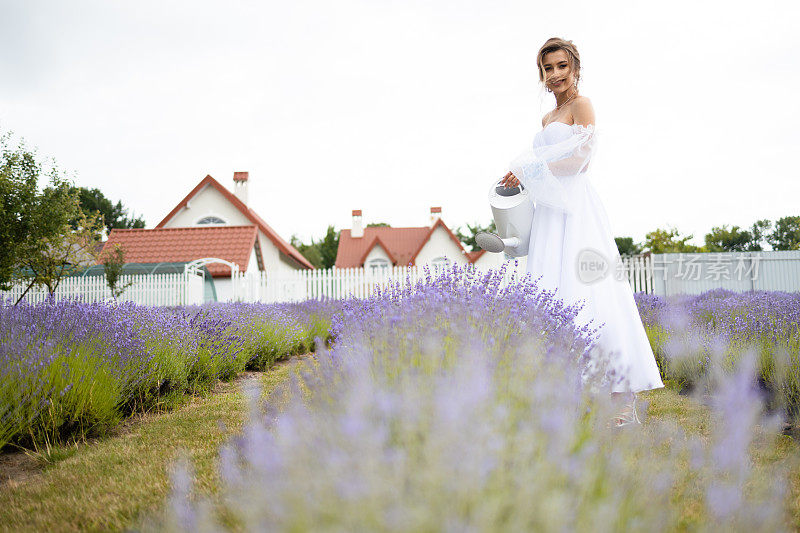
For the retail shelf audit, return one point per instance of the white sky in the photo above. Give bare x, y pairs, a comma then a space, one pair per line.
395, 106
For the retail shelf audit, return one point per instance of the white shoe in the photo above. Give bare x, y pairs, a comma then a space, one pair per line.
628, 416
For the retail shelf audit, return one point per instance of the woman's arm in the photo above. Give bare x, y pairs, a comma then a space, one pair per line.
583, 115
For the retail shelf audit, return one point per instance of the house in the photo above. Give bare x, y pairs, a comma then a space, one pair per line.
212, 222
378, 248
210, 204
237, 244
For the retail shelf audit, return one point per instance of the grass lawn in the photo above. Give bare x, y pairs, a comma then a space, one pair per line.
108, 484
694, 418
104, 485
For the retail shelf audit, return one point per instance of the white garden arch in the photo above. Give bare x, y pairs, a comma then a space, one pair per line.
195, 267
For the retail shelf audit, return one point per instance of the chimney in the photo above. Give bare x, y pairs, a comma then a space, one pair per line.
436, 214
240, 185
358, 227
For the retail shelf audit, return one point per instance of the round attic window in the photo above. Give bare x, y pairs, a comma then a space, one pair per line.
210, 220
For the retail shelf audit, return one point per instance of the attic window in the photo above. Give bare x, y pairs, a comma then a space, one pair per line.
210, 220
378, 266
439, 264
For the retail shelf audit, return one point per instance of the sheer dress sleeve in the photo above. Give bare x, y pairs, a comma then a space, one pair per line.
543, 170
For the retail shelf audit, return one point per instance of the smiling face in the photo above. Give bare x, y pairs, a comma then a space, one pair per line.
557, 73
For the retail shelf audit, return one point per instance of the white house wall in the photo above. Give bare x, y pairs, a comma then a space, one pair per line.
210, 202
441, 245
252, 265
274, 260
377, 252
224, 289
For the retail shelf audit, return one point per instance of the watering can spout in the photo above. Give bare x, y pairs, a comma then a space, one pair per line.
496, 244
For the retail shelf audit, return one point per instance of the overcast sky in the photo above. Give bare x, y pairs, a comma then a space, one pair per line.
395, 106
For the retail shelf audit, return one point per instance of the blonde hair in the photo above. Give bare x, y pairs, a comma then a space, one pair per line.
573, 57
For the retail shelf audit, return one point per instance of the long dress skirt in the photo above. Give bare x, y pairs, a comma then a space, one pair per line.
570, 252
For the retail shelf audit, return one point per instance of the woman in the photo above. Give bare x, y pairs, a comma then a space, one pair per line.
572, 249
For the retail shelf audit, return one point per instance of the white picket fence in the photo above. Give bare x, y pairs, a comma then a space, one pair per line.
270, 287
638, 270
338, 283
333, 283
151, 289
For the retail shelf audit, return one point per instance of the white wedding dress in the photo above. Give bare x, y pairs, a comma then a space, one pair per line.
571, 243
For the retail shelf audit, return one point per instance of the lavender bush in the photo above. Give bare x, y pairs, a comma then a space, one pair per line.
684, 331
71, 369
463, 405
271, 331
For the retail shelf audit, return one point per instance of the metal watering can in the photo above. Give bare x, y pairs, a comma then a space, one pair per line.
512, 210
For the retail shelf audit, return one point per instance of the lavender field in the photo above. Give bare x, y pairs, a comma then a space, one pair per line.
70, 370
463, 406
696, 337
458, 404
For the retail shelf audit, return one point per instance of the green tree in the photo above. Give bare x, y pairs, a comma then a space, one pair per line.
55, 249
309, 251
660, 241
468, 237
329, 247
759, 232
378, 225
725, 239
114, 215
19, 173
322, 253
113, 263
626, 246
44, 235
786, 235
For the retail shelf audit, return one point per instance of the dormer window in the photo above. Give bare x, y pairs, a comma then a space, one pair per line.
439, 264
378, 266
211, 221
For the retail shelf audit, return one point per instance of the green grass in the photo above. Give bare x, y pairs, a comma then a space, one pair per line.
122, 481
106, 484
695, 419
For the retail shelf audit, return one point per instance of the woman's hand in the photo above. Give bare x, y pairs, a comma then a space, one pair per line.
509, 181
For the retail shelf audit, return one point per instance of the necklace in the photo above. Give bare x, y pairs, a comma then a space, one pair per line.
567, 100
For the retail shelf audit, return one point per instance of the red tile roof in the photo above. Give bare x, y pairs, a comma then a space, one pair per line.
474, 256
377, 241
251, 215
166, 245
402, 245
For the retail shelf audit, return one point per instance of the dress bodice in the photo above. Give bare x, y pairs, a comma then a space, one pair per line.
552, 133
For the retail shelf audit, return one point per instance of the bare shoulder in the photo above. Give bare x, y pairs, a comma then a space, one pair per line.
581, 100
582, 111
